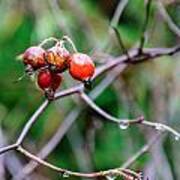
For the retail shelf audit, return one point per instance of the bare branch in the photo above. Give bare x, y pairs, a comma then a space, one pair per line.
121, 61
124, 123
31, 121
118, 12
105, 114
149, 54
162, 127
173, 27
50, 146
121, 42
116, 172
8, 148
146, 21
68, 121
143, 150
114, 23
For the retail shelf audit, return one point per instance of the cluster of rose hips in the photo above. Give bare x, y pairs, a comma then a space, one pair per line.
49, 64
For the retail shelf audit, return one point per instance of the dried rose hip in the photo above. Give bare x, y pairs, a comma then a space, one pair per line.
58, 58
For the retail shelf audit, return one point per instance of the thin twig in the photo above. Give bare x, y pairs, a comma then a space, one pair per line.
8, 148
129, 174
124, 123
143, 150
68, 121
51, 145
118, 12
146, 21
114, 23
118, 35
105, 114
172, 26
150, 53
31, 121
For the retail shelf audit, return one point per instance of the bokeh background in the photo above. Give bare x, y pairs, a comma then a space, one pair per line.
92, 143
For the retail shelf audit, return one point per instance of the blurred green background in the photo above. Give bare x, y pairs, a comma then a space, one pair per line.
92, 143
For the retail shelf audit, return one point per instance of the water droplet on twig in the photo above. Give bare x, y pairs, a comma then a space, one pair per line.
123, 124
159, 127
177, 138
111, 177
65, 175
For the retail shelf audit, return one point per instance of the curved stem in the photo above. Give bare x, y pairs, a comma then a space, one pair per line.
50, 39
129, 174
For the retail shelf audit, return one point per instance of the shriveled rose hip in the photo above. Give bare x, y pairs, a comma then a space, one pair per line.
58, 58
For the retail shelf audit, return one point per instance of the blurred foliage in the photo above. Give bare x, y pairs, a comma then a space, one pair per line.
136, 91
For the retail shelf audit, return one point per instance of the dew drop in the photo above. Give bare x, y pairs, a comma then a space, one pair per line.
177, 138
65, 175
159, 128
123, 124
110, 177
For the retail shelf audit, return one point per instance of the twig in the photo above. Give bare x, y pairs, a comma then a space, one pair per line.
8, 148
118, 12
124, 50
143, 150
68, 121
105, 114
124, 123
150, 54
50, 146
162, 127
31, 121
116, 172
114, 23
146, 21
173, 27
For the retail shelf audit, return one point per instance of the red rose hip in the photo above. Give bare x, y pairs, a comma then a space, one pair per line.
56, 81
34, 56
44, 79
81, 67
